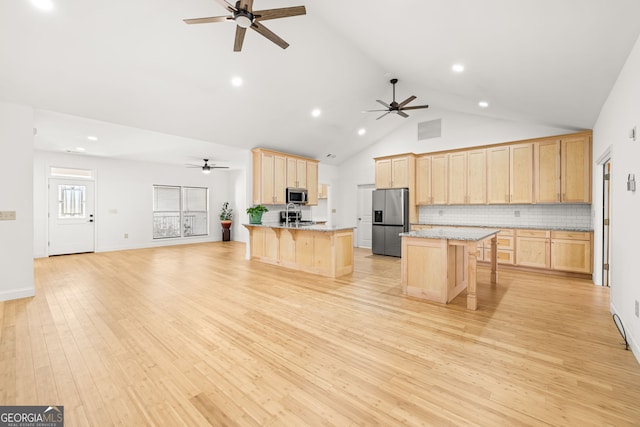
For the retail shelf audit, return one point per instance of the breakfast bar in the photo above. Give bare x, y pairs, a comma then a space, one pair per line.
439, 263
318, 248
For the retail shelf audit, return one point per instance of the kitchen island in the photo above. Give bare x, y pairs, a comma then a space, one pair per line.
439, 263
319, 248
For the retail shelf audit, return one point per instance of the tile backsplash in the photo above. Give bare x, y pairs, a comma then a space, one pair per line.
570, 216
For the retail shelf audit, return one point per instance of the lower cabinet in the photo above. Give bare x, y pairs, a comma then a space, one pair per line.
505, 248
533, 248
572, 251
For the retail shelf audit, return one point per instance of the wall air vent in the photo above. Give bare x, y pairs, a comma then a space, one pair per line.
430, 129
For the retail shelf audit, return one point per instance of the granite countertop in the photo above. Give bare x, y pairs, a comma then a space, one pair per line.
312, 226
515, 227
450, 233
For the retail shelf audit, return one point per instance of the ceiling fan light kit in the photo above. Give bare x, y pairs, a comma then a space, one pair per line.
394, 107
245, 17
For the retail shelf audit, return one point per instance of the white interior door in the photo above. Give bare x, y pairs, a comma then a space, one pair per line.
71, 216
365, 193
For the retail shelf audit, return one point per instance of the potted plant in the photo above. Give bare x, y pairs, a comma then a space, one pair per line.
226, 215
255, 213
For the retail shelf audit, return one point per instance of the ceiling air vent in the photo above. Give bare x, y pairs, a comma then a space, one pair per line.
430, 129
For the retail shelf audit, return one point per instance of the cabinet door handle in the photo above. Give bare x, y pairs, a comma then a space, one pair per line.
557, 197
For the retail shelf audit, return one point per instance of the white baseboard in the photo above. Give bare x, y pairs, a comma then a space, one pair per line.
633, 344
17, 294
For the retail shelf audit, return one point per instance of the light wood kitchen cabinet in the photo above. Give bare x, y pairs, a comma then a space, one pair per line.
395, 171
571, 251
562, 170
423, 180
312, 182
431, 179
546, 174
533, 248
322, 191
269, 180
439, 164
510, 174
296, 172
467, 177
457, 178
505, 248
575, 171
273, 172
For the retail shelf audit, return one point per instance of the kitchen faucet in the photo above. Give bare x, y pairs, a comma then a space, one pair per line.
286, 220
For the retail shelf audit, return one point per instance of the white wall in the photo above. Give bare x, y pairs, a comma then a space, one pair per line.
619, 114
16, 190
124, 198
458, 131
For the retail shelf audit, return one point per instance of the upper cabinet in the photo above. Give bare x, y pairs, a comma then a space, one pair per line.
273, 172
575, 169
547, 171
431, 179
562, 169
467, 177
269, 172
312, 182
395, 171
296, 172
510, 174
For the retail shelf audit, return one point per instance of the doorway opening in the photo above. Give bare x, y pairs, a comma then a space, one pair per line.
606, 223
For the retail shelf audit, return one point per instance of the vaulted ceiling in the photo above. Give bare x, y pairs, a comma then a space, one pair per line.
152, 87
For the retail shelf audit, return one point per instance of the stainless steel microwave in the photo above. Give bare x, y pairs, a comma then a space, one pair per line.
298, 196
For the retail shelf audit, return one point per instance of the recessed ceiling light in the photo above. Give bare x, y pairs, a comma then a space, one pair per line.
92, 138
458, 68
43, 4
483, 104
316, 112
362, 131
236, 81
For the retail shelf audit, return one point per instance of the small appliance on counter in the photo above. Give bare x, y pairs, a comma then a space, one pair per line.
293, 216
390, 218
299, 196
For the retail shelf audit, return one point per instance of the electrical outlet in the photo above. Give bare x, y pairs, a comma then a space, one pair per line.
126, 235
440, 213
637, 309
516, 214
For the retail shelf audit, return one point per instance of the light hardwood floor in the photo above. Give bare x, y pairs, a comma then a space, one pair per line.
197, 335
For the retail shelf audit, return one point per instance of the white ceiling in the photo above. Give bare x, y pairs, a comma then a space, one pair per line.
133, 74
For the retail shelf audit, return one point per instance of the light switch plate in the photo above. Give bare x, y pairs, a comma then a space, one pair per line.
7, 215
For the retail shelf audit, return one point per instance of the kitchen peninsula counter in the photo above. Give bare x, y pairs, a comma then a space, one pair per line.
439, 263
321, 249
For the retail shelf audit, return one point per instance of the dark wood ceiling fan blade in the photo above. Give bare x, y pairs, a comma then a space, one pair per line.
383, 103
383, 115
207, 20
246, 4
416, 107
400, 113
374, 111
227, 6
406, 101
269, 34
219, 167
240, 32
283, 12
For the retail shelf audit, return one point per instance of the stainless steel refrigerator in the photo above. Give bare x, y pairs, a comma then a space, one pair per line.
390, 218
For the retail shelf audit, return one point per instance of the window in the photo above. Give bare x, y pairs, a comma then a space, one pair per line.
180, 211
71, 201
